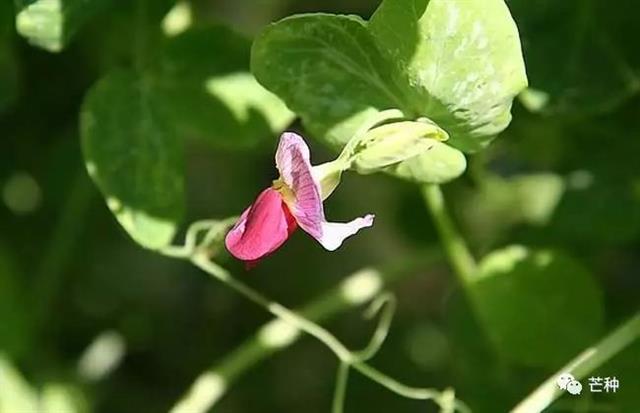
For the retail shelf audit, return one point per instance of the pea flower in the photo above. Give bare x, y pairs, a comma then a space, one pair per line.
295, 199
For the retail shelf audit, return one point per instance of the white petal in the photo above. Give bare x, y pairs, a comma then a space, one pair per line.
334, 233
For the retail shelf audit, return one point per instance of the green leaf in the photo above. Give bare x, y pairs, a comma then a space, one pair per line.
457, 63
49, 24
328, 70
460, 59
539, 307
582, 54
209, 94
16, 395
134, 157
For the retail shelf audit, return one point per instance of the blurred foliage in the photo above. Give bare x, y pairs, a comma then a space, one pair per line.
51, 23
516, 285
563, 180
578, 52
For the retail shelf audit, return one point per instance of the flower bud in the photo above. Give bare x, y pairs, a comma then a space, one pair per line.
390, 144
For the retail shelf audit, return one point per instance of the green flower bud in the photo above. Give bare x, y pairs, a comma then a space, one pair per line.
390, 144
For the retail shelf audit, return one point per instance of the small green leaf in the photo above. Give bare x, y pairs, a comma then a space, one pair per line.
460, 60
134, 157
208, 93
582, 54
16, 395
537, 300
51, 23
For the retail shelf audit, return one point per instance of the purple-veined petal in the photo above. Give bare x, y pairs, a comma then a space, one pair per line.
262, 228
294, 165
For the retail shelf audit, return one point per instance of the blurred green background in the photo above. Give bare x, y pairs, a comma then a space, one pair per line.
564, 177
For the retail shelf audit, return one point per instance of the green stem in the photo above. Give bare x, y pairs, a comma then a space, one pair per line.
587, 361
210, 386
353, 291
455, 246
340, 395
407, 391
202, 261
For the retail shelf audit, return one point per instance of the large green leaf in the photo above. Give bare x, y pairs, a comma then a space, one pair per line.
209, 93
51, 23
134, 157
538, 307
460, 59
337, 72
456, 62
582, 53
328, 70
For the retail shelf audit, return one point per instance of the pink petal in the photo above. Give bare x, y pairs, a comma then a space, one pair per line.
262, 228
333, 233
292, 160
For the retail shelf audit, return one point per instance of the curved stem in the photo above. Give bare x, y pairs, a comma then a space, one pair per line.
356, 289
409, 392
210, 386
342, 378
202, 261
587, 361
387, 304
457, 250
